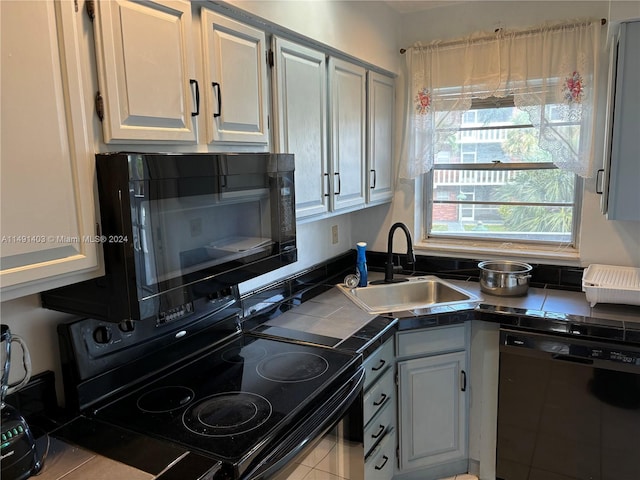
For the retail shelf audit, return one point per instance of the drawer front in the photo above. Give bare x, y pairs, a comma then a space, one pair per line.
378, 396
431, 341
378, 362
379, 465
381, 424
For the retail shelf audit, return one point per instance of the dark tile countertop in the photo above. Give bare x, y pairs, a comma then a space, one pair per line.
333, 316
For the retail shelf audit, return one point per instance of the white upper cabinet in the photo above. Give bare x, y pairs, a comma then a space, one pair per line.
381, 101
347, 100
300, 109
622, 192
47, 206
236, 90
145, 69
353, 168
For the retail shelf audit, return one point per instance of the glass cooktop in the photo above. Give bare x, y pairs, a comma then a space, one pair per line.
230, 400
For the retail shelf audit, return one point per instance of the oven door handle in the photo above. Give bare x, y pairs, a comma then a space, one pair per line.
308, 429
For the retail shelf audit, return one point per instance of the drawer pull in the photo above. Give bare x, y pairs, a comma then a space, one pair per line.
385, 459
381, 364
379, 432
383, 397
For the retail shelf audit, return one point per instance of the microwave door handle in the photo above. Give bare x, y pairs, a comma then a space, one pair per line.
143, 240
143, 229
323, 420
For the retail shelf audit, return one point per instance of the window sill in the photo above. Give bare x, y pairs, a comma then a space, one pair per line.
501, 250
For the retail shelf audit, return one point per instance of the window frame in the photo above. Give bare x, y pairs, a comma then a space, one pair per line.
482, 242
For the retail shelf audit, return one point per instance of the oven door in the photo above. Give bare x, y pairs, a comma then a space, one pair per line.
329, 440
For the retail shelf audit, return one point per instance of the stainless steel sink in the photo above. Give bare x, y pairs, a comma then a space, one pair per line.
415, 293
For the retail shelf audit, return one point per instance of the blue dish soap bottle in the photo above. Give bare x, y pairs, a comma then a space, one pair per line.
361, 263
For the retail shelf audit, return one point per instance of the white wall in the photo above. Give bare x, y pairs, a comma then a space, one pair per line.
600, 240
367, 30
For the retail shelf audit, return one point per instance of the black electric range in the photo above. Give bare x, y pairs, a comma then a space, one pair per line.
247, 402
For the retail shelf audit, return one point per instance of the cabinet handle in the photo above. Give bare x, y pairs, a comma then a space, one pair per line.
215, 86
463, 378
326, 176
373, 185
197, 112
383, 397
384, 462
599, 181
381, 364
379, 432
339, 185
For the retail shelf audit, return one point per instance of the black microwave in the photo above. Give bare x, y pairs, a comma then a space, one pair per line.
182, 230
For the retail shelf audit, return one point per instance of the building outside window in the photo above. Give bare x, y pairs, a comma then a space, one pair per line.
493, 181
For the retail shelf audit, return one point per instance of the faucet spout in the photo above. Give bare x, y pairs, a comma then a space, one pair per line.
389, 267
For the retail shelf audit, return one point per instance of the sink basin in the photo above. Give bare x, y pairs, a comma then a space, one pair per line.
418, 292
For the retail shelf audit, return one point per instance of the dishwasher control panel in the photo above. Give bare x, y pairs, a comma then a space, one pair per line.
569, 348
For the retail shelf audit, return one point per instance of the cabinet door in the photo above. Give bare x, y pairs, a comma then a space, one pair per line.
624, 194
235, 81
300, 87
145, 67
47, 207
381, 100
347, 90
432, 410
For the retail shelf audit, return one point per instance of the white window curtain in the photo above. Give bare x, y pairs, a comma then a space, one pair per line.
551, 71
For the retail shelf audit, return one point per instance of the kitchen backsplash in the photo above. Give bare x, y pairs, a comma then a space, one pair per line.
264, 304
543, 276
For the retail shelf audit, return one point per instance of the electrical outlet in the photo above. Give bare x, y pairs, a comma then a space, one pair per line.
334, 234
196, 227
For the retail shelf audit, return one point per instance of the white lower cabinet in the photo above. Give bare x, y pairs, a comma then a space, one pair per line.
433, 404
379, 463
380, 425
380, 413
379, 395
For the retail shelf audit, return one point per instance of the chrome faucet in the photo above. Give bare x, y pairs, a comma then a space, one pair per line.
389, 267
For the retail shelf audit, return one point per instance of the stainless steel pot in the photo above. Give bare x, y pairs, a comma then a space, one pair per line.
504, 278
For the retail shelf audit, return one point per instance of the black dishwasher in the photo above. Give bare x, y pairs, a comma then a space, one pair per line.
568, 408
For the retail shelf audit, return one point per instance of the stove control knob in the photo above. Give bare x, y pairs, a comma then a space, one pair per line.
102, 334
127, 326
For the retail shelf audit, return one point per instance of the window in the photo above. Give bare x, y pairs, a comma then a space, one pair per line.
496, 174
493, 182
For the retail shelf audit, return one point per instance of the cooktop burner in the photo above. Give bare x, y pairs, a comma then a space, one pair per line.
293, 367
165, 399
226, 414
227, 400
237, 355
